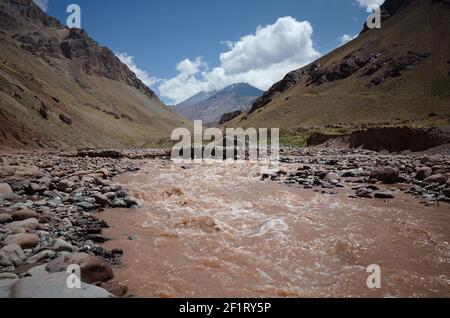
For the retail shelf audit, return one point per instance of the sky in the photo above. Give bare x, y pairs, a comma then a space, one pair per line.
181, 47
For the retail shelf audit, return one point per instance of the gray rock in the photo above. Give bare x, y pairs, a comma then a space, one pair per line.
119, 203
65, 184
11, 254
37, 271
92, 268
8, 276
50, 286
25, 240
331, 176
24, 215
85, 205
47, 254
5, 218
30, 224
6, 193
60, 245
5, 287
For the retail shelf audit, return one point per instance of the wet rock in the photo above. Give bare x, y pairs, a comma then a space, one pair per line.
117, 251
92, 268
97, 238
387, 175
364, 193
130, 202
118, 289
119, 203
384, 195
101, 199
24, 240
446, 192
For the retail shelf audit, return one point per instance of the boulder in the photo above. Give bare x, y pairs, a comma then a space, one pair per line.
65, 184
51, 286
47, 254
6, 193
101, 199
5, 218
93, 269
118, 289
24, 215
25, 240
387, 175
331, 176
436, 178
11, 254
60, 245
5, 287
30, 224
423, 173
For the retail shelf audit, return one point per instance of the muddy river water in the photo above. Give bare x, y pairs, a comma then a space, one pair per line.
219, 231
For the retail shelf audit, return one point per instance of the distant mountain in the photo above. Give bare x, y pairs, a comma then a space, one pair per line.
210, 106
397, 75
197, 98
61, 89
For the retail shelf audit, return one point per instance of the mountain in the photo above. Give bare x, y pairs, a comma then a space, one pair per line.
210, 106
396, 75
61, 89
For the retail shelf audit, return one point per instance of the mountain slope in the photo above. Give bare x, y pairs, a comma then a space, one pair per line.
210, 106
399, 74
60, 89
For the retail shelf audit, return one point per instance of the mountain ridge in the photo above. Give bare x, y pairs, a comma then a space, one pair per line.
211, 106
393, 76
61, 89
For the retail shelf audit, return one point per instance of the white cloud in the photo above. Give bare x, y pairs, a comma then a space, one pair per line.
259, 59
370, 4
347, 38
43, 4
128, 60
191, 67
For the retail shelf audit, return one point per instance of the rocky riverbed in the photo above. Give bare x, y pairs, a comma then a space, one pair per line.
51, 204
48, 220
369, 174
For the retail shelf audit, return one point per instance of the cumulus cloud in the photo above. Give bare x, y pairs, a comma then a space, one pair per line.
128, 60
259, 59
43, 4
370, 4
347, 38
191, 67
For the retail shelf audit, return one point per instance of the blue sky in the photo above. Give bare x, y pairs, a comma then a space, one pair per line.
180, 47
